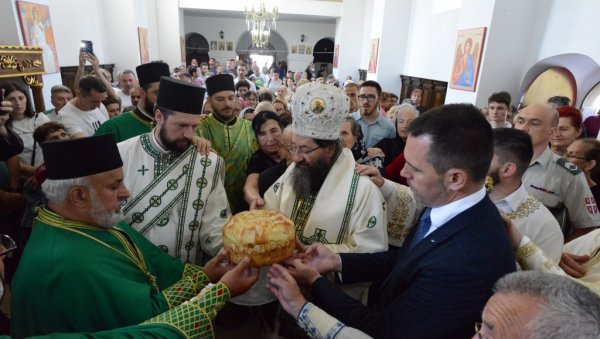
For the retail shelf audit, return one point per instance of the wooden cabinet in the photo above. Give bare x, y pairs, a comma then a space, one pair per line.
434, 91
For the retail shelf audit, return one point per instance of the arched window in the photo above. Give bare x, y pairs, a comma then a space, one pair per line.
591, 102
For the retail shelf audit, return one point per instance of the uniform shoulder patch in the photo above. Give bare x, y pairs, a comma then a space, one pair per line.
569, 166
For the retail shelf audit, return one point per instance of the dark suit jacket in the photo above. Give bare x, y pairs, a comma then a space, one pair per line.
436, 290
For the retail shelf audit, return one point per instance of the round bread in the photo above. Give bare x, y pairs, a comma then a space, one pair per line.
267, 237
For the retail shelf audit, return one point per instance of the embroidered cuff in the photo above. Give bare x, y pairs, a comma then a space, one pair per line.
526, 249
196, 273
193, 318
317, 323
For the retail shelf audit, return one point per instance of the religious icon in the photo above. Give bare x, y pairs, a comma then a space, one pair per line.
37, 31
230, 45
294, 49
213, 45
469, 48
373, 55
300, 49
143, 41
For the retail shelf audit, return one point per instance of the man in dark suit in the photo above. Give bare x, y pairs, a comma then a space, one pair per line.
436, 284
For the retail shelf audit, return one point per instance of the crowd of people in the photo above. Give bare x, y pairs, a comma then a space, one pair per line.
412, 221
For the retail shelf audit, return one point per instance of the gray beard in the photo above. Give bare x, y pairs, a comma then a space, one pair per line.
106, 219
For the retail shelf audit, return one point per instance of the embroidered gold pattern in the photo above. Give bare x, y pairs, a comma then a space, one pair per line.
526, 208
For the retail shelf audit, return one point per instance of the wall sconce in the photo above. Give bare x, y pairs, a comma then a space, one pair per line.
221, 34
302, 38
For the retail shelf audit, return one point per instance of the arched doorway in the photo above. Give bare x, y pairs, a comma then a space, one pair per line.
323, 56
196, 47
553, 81
277, 49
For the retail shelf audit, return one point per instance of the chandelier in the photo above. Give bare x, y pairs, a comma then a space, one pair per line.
261, 19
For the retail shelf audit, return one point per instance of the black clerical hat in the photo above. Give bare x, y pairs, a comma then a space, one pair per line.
180, 96
76, 158
151, 72
218, 83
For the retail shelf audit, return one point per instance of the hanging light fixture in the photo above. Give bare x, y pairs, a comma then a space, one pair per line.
261, 19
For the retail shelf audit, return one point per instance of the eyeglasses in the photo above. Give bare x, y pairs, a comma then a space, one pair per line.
369, 97
478, 326
571, 156
302, 151
8, 245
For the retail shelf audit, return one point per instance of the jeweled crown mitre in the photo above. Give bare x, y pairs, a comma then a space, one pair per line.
318, 111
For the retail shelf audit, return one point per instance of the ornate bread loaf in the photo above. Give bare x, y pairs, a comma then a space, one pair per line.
265, 236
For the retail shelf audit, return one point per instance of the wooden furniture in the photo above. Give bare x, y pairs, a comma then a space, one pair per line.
67, 74
434, 91
27, 64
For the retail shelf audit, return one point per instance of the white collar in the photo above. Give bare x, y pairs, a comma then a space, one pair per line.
441, 215
513, 200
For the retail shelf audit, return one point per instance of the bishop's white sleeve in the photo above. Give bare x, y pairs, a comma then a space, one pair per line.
367, 228
319, 324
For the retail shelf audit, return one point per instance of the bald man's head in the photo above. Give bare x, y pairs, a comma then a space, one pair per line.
539, 122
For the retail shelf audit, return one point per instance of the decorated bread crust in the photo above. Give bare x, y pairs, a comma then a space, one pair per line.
265, 236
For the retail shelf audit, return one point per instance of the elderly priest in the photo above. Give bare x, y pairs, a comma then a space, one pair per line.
84, 270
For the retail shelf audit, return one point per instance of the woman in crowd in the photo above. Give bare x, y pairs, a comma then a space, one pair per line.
291, 85
280, 105
585, 153
251, 99
392, 147
352, 139
23, 121
282, 94
268, 131
568, 130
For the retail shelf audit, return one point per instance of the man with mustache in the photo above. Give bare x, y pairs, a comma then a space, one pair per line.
141, 119
85, 270
231, 137
178, 200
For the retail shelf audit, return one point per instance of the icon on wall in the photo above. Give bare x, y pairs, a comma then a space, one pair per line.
221, 45
374, 54
294, 49
467, 59
308, 50
37, 30
143, 41
230, 45
213, 45
336, 55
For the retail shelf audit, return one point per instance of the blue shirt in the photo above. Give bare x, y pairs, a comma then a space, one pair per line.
376, 131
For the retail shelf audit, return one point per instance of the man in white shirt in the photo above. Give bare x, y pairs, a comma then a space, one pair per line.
241, 72
83, 115
127, 82
512, 154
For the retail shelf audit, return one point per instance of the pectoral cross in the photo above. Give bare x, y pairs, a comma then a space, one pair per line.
143, 169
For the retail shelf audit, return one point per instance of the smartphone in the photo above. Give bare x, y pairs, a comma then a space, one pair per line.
2, 99
87, 46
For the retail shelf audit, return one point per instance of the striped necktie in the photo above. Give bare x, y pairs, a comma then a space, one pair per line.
423, 227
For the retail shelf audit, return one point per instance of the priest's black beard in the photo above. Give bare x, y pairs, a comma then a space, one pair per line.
148, 106
172, 145
308, 180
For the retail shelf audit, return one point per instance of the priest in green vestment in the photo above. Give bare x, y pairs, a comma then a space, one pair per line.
87, 273
230, 136
140, 120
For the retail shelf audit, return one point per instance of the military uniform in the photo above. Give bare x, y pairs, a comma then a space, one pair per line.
559, 184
